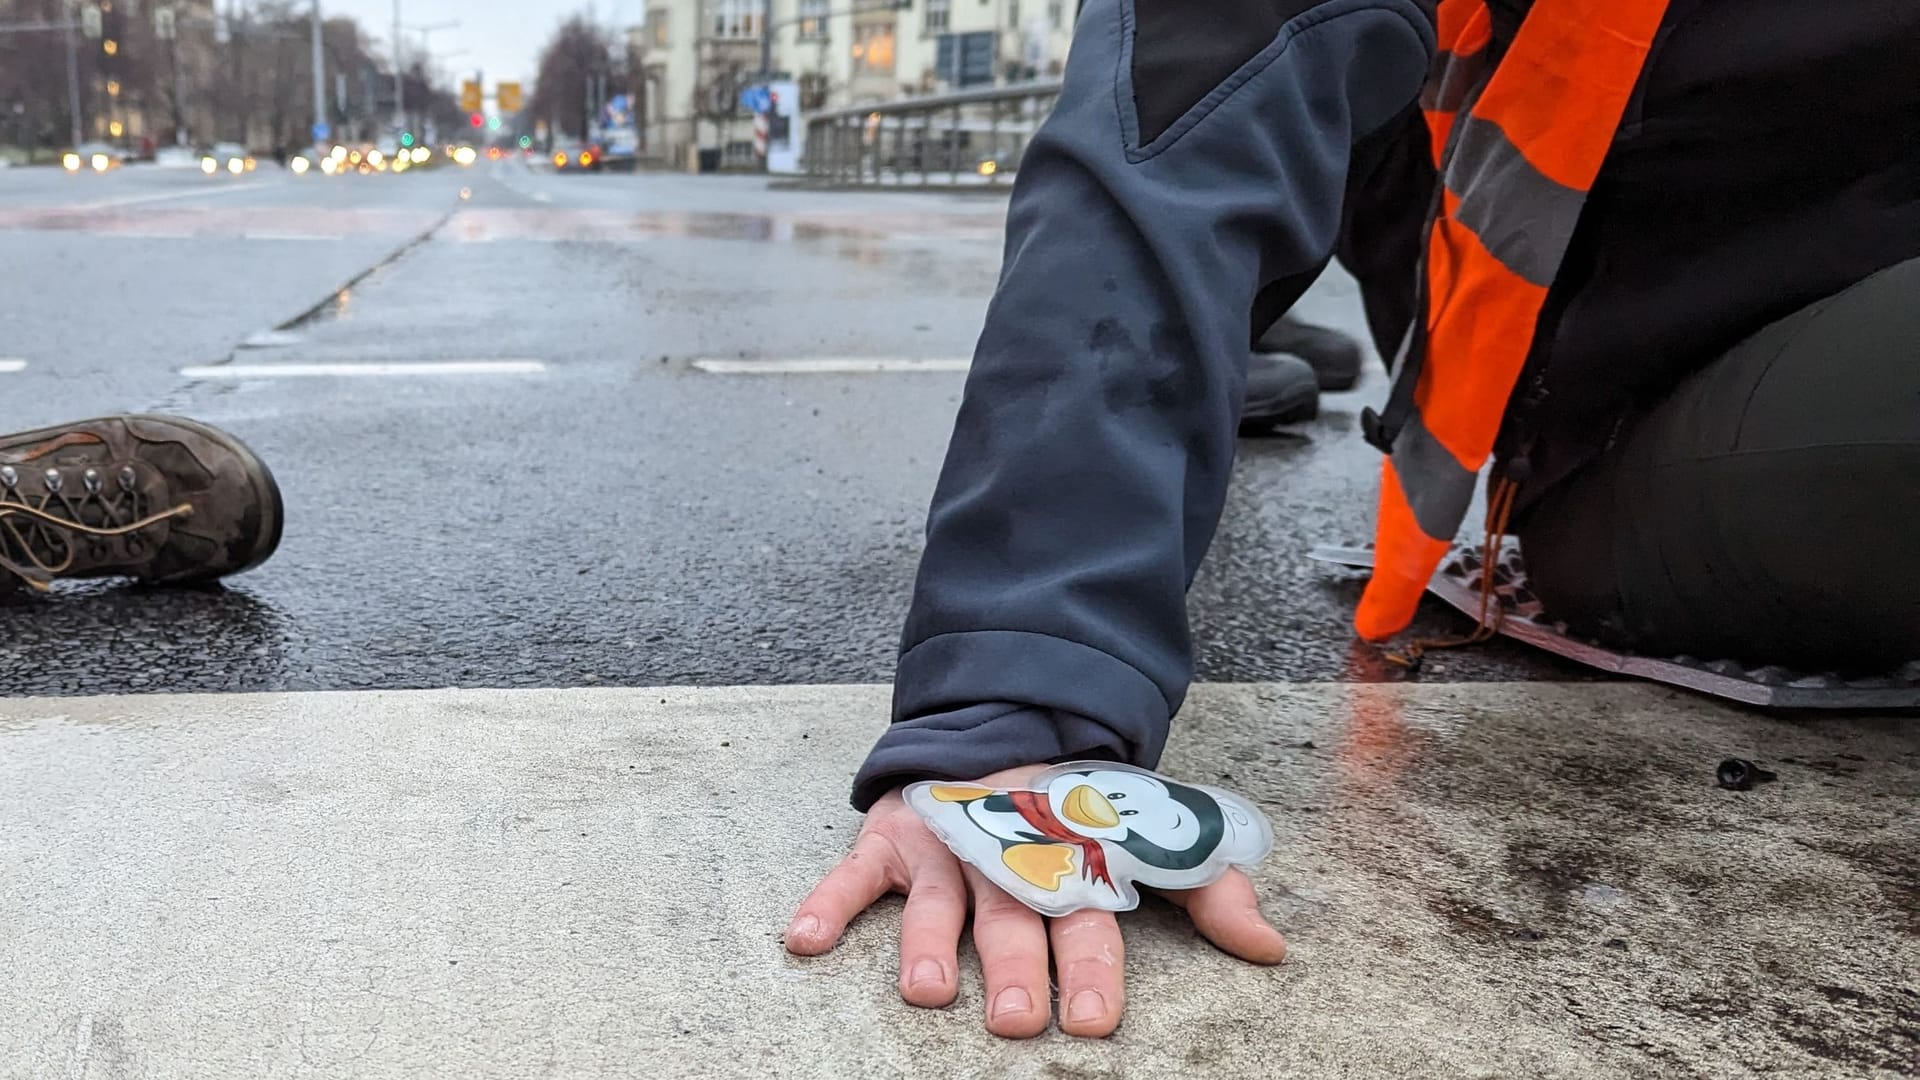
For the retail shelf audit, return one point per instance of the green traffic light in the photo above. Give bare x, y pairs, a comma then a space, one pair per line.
493, 123
526, 142
406, 138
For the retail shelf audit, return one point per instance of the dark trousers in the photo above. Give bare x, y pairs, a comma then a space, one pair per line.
1768, 510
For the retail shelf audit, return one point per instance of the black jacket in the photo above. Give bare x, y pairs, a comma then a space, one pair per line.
1207, 160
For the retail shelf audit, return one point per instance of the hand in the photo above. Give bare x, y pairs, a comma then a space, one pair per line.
896, 852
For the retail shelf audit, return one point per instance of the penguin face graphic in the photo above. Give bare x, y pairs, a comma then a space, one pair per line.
1111, 805
1085, 832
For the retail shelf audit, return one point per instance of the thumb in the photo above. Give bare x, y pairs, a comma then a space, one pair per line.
1227, 913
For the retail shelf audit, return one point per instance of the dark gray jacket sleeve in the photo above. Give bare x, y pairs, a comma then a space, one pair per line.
1089, 462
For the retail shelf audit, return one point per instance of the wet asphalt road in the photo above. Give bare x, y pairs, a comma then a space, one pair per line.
621, 518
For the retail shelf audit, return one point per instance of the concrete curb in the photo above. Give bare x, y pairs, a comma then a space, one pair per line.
1478, 880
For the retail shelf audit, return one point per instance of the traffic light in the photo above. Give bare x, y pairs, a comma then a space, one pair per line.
526, 142
476, 119
507, 95
470, 97
493, 123
406, 138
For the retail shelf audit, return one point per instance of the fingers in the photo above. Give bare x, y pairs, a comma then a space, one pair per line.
1227, 913
865, 875
1012, 941
1089, 960
930, 931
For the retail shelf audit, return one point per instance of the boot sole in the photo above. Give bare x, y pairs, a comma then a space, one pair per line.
1262, 417
265, 488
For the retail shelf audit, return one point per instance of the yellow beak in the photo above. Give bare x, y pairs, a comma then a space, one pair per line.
1086, 806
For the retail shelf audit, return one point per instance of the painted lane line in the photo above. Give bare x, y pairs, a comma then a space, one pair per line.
350, 370
165, 196
829, 365
9, 365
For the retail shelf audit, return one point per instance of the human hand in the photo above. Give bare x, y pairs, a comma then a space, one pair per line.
896, 852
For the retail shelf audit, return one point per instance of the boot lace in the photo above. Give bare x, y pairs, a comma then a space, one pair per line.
44, 519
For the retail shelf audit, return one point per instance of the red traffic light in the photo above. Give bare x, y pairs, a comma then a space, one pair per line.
476, 119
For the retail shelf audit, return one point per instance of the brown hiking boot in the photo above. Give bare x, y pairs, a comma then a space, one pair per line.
159, 498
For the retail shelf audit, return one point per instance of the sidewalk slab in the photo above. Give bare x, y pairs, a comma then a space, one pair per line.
1485, 880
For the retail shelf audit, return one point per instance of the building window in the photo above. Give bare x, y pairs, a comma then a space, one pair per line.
938, 15
736, 18
1013, 14
1055, 12
873, 49
813, 20
814, 88
657, 27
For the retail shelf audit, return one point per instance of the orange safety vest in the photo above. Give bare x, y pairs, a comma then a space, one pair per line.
1517, 145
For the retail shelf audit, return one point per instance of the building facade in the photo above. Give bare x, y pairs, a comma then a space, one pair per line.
697, 55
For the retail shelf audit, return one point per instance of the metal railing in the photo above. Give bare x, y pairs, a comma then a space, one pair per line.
973, 138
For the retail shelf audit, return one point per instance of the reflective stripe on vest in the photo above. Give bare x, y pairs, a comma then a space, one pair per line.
1515, 167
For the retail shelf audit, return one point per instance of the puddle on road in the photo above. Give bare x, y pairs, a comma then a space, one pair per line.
614, 226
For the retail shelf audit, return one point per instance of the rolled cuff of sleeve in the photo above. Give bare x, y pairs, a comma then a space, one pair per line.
969, 704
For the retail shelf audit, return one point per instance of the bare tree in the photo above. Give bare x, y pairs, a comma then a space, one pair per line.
578, 55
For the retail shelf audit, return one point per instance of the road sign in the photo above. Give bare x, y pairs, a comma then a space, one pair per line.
507, 95
470, 99
322, 131
966, 59
756, 99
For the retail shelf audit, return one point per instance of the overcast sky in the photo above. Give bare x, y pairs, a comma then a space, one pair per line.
501, 38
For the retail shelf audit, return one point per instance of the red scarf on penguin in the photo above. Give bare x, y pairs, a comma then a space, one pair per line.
1038, 812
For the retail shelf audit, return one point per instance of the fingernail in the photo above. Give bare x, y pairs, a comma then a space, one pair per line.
1085, 1006
927, 973
806, 926
1012, 1000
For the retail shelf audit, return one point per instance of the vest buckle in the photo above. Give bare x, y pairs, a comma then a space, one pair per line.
1373, 428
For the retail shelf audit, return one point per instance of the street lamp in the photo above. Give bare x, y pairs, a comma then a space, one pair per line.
321, 129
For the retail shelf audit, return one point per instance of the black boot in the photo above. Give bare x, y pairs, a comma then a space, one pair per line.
1334, 357
1281, 389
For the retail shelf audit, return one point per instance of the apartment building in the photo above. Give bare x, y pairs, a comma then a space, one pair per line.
698, 54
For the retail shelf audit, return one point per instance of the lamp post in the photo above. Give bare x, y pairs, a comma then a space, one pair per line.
319, 81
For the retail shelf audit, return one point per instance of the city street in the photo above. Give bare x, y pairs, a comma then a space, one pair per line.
604, 498
619, 516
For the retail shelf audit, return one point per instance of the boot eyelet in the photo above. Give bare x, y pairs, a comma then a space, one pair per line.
8, 476
91, 478
53, 479
128, 480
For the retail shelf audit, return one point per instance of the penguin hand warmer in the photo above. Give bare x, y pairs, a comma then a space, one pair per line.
1086, 832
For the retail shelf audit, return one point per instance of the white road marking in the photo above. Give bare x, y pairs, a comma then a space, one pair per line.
9, 365
349, 370
541, 196
829, 365
135, 200
287, 236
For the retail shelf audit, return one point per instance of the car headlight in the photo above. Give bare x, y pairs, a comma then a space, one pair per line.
209, 166
236, 166
300, 166
100, 163
70, 162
